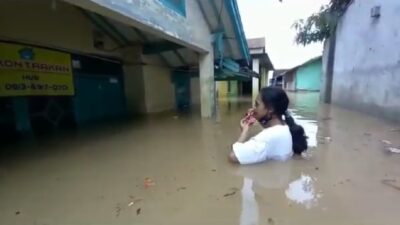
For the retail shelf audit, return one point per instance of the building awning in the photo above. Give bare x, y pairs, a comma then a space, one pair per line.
225, 74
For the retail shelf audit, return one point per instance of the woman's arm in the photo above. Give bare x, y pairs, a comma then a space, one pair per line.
243, 135
242, 138
248, 151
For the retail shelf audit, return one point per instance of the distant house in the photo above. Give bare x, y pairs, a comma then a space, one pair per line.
261, 64
277, 79
305, 77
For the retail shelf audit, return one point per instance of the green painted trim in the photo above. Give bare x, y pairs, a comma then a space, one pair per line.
21, 113
231, 65
221, 75
179, 8
234, 13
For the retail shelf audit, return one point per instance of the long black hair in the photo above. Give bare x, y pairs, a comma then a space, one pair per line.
277, 100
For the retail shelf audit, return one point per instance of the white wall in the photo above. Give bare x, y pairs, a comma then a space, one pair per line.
367, 59
154, 17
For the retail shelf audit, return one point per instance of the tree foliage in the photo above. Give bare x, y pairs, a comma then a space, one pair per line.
319, 26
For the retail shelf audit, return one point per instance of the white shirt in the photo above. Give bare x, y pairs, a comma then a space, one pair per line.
272, 143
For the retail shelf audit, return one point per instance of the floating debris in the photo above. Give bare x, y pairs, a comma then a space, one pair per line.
117, 210
138, 211
389, 183
134, 200
230, 194
271, 221
316, 168
388, 180
394, 150
137, 201
148, 183
328, 139
386, 142
181, 189
17, 212
214, 170
233, 192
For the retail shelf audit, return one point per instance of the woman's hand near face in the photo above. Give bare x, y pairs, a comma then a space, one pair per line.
244, 125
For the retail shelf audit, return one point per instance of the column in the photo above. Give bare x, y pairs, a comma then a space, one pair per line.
21, 113
134, 80
255, 86
207, 85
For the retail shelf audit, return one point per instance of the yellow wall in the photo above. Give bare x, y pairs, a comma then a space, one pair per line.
134, 89
222, 88
264, 77
159, 89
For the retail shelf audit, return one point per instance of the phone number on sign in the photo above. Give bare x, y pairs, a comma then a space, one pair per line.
36, 87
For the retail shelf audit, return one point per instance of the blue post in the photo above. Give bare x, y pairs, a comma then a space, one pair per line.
21, 112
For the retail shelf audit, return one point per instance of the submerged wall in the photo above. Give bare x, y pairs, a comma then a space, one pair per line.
367, 59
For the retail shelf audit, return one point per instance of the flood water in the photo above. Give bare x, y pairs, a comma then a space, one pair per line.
173, 169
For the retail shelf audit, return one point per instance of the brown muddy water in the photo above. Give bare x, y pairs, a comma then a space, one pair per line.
170, 169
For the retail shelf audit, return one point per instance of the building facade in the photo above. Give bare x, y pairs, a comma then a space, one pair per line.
305, 77
365, 75
76, 62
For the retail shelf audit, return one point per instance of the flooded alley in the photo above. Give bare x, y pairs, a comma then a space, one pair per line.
173, 169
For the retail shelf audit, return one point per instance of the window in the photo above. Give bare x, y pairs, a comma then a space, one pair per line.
178, 6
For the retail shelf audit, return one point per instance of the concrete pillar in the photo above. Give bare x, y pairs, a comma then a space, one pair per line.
207, 85
328, 61
133, 80
256, 83
134, 89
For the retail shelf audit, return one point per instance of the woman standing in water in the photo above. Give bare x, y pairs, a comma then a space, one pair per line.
281, 136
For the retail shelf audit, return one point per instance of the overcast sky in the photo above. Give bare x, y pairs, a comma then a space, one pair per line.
273, 20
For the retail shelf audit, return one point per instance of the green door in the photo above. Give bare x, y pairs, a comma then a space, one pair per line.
182, 91
98, 97
8, 129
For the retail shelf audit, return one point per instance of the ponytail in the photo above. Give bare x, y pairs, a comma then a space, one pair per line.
299, 137
277, 99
